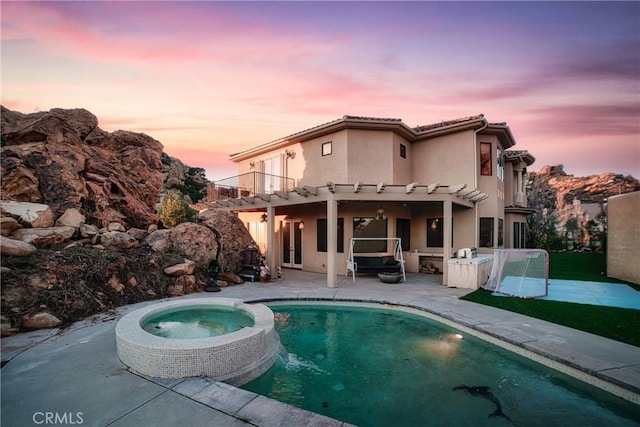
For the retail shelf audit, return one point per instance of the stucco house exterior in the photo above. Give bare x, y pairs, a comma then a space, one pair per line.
439, 188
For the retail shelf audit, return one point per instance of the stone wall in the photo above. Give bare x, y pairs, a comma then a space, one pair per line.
623, 241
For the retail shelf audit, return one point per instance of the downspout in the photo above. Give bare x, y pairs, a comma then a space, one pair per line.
475, 179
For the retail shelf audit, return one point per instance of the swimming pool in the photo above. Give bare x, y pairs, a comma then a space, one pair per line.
377, 366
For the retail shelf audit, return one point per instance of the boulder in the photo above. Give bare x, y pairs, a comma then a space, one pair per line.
115, 284
193, 241
188, 283
8, 225
137, 233
187, 267
5, 326
71, 218
233, 237
116, 226
176, 290
88, 230
15, 247
42, 237
41, 320
35, 215
119, 239
231, 277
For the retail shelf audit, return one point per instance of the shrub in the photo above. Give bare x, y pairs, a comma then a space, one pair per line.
174, 210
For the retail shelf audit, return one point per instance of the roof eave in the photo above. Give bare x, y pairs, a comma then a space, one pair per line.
503, 132
475, 123
331, 127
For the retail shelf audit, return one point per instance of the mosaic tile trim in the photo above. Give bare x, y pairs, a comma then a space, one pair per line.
233, 357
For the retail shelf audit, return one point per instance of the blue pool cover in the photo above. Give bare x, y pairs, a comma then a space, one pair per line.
595, 293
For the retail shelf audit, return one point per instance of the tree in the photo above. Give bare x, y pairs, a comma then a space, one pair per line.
573, 233
174, 210
542, 230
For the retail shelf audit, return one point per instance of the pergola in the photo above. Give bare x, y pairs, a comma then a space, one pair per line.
332, 194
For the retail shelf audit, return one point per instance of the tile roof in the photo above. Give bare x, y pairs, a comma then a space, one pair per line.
373, 119
443, 123
515, 153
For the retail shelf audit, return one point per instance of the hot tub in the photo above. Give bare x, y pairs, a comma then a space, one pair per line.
232, 351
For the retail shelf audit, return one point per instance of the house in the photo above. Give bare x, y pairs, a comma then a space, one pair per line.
439, 188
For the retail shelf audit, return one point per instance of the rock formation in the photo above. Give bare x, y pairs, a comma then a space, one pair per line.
563, 188
579, 200
61, 158
79, 224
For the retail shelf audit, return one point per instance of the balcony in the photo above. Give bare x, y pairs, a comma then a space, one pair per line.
248, 184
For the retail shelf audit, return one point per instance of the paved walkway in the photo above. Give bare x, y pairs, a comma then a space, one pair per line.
74, 376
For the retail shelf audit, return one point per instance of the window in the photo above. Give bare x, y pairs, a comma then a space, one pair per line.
519, 235
500, 233
500, 158
403, 151
322, 235
327, 149
485, 158
435, 236
486, 232
403, 231
370, 227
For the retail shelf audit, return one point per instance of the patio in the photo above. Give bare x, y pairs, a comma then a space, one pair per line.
75, 372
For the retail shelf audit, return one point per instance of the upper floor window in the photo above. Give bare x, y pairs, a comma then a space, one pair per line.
485, 159
500, 159
327, 148
403, 151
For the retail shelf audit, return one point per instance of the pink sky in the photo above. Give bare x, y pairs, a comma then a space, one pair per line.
208, 79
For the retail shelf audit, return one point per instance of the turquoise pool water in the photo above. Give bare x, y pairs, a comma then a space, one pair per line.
381, 367
196, 322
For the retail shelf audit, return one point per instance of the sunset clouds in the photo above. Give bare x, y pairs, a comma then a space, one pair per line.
211, 78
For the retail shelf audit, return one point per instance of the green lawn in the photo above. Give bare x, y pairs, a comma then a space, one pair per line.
620, 324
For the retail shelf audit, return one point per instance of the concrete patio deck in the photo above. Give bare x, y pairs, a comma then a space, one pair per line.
74, 375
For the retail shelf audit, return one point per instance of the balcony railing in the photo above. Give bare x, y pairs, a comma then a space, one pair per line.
248, 184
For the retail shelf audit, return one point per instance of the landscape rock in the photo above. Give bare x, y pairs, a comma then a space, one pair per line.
8, 225
30, 214
88, 230
119, 239
231, 277
5, 326
115, 284
71, 218
185, 268
137, 233
41, 320
175, 290
116, 226
13, 247
42, 237
188, 283
193, 241
233, 237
